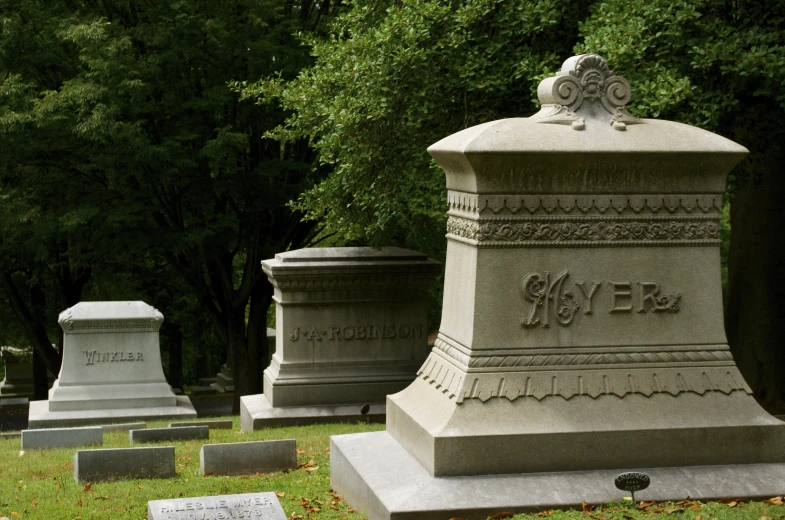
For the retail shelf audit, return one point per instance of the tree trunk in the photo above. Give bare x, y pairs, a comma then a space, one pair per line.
244, 363
174, 337
34, 328
40, 378
756, 279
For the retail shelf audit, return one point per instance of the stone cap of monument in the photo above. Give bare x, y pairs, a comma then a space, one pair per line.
585, 131
326, 259
345, 267
90, 317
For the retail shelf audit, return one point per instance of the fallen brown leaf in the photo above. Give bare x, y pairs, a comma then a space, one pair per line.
549, 512
586, 508
280, 494
503, 514
457, 518
645, 505
699, 517
674, 510
775, 501
326, 451
311, 470
88, 486
300, 451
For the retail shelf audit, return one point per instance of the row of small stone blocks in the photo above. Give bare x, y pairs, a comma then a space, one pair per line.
158, 462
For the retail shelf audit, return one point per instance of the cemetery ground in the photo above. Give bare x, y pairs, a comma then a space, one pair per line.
40, 484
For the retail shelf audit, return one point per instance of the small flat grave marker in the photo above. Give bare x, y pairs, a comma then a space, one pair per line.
118, 463
244, 458
184, 433
264, 506
62, 437
632, 481
214, 425
124, 427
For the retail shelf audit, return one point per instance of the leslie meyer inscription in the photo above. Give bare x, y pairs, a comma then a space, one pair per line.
262, 506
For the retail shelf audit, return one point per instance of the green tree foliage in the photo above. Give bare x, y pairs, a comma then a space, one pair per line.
127, 143
396, 76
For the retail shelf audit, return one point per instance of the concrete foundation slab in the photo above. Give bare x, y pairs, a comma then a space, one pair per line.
256, 412
41, 417
395, 486
62, 438
108, 464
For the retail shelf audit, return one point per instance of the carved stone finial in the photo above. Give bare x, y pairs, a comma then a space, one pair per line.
585, 89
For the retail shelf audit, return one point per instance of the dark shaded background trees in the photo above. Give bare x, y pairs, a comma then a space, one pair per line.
125, 146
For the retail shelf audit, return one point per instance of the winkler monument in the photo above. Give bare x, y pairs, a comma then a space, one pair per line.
111, 370
582, 328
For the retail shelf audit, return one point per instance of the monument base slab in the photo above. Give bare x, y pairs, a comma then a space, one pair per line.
41, 417
377, 476
256, 413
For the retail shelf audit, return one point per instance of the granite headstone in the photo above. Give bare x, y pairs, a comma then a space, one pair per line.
351, 327
111, 369
582, 326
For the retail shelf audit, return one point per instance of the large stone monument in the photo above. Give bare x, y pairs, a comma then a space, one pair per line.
111, 369
18, 369
582, 328
351, 327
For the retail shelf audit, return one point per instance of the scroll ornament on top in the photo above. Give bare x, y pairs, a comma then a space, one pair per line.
585, 89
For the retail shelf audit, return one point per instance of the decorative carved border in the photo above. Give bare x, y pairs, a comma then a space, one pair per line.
586, 232
470, 204
458, 385
575, 358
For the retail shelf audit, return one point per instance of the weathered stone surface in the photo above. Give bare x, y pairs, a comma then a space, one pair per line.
18, 373
62, 438
214, 425
40, 417
14, 403
264, 506
111, 368
377, 476
243, 458
366, 336
11, 435
123, 427
181, 433
224, 381
582, 325
110, 464
257, 413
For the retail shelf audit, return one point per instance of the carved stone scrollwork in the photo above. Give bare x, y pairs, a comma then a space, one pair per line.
585, 89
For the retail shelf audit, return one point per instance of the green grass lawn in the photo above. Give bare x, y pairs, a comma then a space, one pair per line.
40, 484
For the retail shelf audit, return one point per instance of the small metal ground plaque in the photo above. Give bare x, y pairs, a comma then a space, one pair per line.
632, 481
255, 506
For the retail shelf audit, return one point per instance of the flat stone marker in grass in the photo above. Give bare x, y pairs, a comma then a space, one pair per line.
108, 464
183, 433
124, 427
214, 425
264, 506
62, 437
10, 435
243, 458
